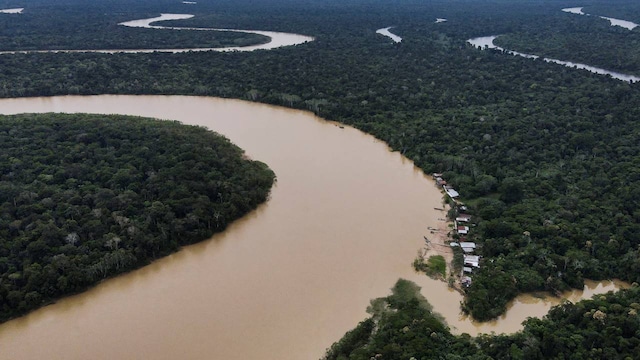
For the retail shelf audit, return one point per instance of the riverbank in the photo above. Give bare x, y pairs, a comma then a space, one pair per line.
487, 42
275, 39
353, 225
438, 131
351, 234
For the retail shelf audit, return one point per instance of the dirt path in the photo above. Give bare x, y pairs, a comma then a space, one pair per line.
437, 235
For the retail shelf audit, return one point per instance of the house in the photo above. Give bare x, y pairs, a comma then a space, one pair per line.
441, 182
463, 218
471, 245
463, 230
468, 247
472, 260
451, 192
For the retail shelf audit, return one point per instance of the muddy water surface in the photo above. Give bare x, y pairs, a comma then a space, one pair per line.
344, 222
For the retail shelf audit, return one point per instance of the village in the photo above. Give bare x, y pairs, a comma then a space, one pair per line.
454, 239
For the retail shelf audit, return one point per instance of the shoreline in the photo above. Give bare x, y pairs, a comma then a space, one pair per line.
276, 39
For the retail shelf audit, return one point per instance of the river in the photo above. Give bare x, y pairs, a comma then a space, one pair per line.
486, 42
629, 25
344, 222
386, 32
11, 11
276, 39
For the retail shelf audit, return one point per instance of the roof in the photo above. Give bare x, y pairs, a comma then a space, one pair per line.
468, 245
472, 260
463, 229
451, 192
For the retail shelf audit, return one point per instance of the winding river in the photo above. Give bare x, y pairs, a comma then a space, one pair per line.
614, 22
345, 219
486, 42
277, 39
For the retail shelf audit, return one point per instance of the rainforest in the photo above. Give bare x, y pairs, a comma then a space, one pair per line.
544, 156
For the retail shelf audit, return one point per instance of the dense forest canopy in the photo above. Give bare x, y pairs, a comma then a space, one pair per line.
403, 326
85, 197
545, 156
581, 38
83, 25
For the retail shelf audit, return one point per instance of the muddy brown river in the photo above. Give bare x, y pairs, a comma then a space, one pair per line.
344, 222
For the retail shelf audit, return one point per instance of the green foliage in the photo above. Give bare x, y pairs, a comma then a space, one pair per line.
402, 326
352, 342
583, 39
437, 265
605, 327
40, 28
85, 197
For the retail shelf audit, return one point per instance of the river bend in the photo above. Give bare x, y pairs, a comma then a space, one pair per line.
277, 39
614, 22
344, 222
486, 42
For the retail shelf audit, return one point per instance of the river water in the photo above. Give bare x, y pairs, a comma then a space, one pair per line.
344, 222
486, 42
629, 25
276, 39
386, 32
